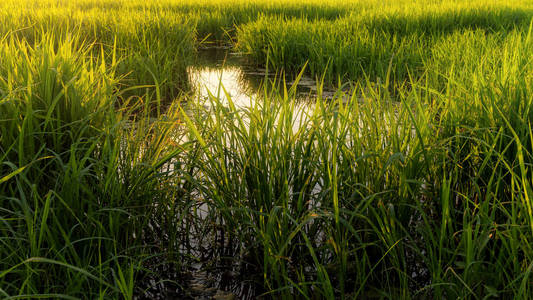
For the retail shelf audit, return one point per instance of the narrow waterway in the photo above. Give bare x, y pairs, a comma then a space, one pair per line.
219, 71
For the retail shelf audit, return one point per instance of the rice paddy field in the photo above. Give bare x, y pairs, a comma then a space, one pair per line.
405, 171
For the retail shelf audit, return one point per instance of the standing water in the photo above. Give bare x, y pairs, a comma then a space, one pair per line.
216, 68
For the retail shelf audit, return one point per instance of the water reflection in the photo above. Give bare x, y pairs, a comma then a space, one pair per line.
216, 68
211, 80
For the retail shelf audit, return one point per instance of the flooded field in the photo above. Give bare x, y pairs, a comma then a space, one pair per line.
254, 149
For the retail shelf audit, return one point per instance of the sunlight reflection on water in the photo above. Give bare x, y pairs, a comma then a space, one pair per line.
217, 68
219, 81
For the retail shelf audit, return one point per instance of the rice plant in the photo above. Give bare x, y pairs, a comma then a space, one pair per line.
412, 181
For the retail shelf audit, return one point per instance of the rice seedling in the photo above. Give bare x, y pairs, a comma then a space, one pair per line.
413, 180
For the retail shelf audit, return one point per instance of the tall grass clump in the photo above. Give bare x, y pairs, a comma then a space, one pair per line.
366, 42
422, 192
79, 180
149, 49
317, 199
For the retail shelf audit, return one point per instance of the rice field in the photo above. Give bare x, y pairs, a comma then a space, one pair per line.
406, 174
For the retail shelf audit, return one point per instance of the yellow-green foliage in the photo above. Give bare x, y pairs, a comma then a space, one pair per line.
154, 40
149, 47
416, 183
365, 41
